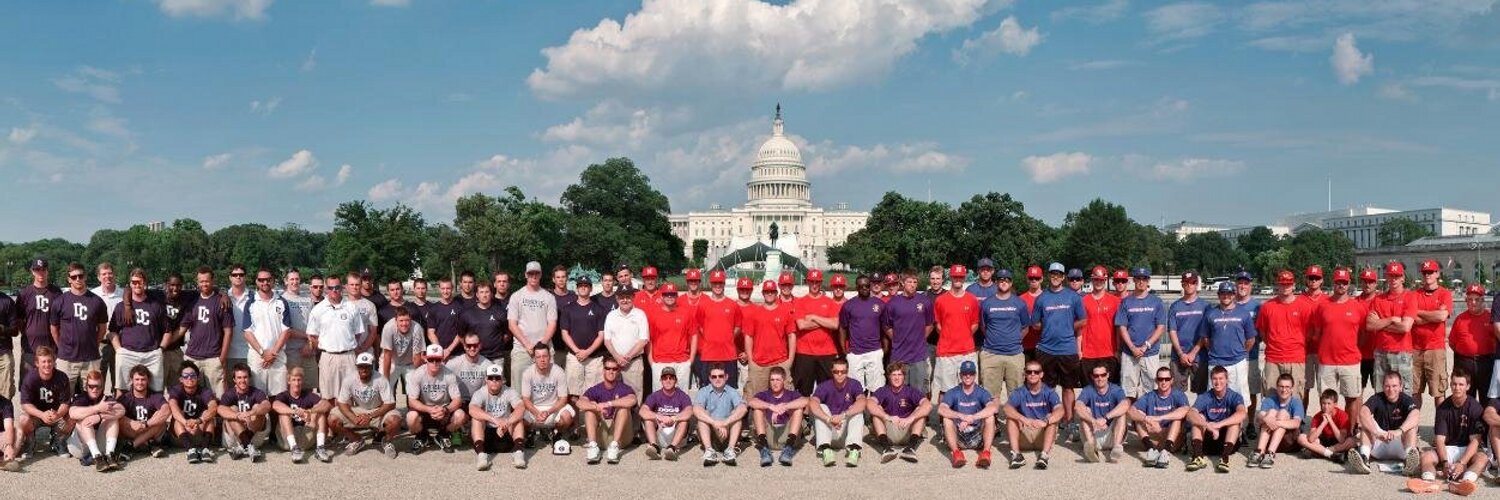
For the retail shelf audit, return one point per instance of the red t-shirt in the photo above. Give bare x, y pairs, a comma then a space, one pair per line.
1473, 333
647, 301
1340, 420
1283, 327
1340, 324
1033, 332
1392, 305
956, 319
1431, 336
768, 330
718, 320
1367, 343
816, 341
671, 334
1100, 337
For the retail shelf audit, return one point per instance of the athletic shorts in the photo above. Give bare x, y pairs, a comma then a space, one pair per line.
1060, 371
972, 439
1215, 446
1327, 441
495, 443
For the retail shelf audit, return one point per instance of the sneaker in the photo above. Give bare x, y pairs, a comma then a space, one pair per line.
888, 455
1268, 461
1355, 463
86, 460
670, 454
909, 455
12, 465
612, 453
158, 452
562, 447
983, 461
1413, 465
236, 452
653, 452
1254, 460
1419, 485
1222, 466
192, 456
417, 446
1197, 464
354, 447
1017, 460
298, 456
1041, 461
59, 447
1463, 488
207, 456
728, 457
1163, 460
786, 456
323, 454
389, 450
1091, 450
765, 457
482, 461
827, 456
101, 463
254, 454
710, 458
591, 453
958, 459
445, 444
1152, 454
851, 458
456, 439
518, 459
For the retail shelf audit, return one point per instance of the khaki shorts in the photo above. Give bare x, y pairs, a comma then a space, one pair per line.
76, 369
210, 371
606, 428
1430, 367
999, 373
760, 377
1341, 378
375, 423
1273, 371
126, 359
7, 377
1031, 439
945, 370
585, 374
1138, 376
334, 371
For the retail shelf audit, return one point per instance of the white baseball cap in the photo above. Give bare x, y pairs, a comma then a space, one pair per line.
434, 351
364, 358
494, 370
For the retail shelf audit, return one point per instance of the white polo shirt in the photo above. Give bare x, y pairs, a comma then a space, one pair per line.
624, 330
266, 319
338, 327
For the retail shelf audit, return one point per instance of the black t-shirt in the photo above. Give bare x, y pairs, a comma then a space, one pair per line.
379, 300
493, 329
47, 394
141, 409
1390, 415
583, 323
385, 313
444, 318
1458, 423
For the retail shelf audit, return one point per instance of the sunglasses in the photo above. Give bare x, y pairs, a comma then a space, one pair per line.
434, 360
93, 387
75, 276
471, 346
137, 282
262, 280
1033, 372
839, 372
1101, 375
720, 375
496, 378
236, 275
316, 287
189, 376
1075, 279
611, 368
1163, 379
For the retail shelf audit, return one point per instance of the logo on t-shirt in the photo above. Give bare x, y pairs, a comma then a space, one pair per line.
142, 318
42, 303
81, 312
919, 307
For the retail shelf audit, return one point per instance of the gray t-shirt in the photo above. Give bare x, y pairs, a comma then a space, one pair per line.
364, 397
298, 307
497, 405
470, 375
402, 346
434, 390
368, 311
544, 390
532, 310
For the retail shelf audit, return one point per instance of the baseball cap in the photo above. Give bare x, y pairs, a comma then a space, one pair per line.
1314, 272
494, 370
1341, 275
1395, 269
533, 267
957, 271
1056, 267
986, 262
1034, 272
1431, 266
668, 372
693, 275
669, 289
1140, 272
1285, 277
1190, 276
367, 359
1226, 287
1099, 273
648, 272
716, 276
622, 267
768, 286
583, 281
1243, 275
433, 351
1003, 274
38, 264
1368, 276
891, 279
838, 280
744, 284
786, 279
365, 273
814, 276
967, 368
1474, 289
1075, 273
1120, 275
626, 292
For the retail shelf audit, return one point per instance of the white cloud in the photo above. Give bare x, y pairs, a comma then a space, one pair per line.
104, 123
1008, 38
238, 9
1396, 92
387, 190
317, 182
1349, 64
1051, 168
1183, 21
101, 85
218, 161
542, 177
1182, 170
19, 136
1110, 10
1105, 64
311, 62
607, 123
343, 175
826, 159
390, 3
266, 107
300, 163
736, 45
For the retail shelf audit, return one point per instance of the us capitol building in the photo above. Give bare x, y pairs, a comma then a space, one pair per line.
778, 192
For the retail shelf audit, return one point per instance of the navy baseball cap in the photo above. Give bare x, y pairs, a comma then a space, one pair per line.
986, 262
1226, 287
1243, 275
1056, 267
1140, 272
38, 264
583, 280
1190, 276
1075, 273
967, 368
1003, 274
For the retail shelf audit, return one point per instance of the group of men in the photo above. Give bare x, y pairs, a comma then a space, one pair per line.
1081, 363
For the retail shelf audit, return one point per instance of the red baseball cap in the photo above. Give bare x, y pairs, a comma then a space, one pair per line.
785, 279
648, 272
1099, 273
891, 278
1368, 276
769, 286
716, 276
1314, 272
744, 284
694, 275
814, 275
1341, 275
1474, 289
668, 288
1121, 275
838, 280
957, 271
1285, 277
1395, 270
1034, 272
1431, 266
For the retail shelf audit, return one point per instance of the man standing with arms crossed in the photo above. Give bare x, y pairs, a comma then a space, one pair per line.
1142, 319
673, 334
956, 314
334, 327
581, 322
770, 338
1188, 330
1231, 332
817, 320
79, 324
1429, 334
267, 330
532, 315
1061, 315
860, 329
1473, 340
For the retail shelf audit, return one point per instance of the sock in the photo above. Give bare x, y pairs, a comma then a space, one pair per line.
822, 447
322, 437
479, 446
1429, 476
1230, 449
1327, 453
1364, 450
1168, 445
1197, 448
94, 448
883, 440
520, 444
1146, 442
109, 444
1470, 476
793, 440
853, 447
291, 441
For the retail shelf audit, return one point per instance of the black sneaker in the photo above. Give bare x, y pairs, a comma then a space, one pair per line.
418, 445
1017, 461
87, 461
1041, 461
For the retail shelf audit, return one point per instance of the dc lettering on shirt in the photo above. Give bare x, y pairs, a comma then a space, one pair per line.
190, 408
42, 304
142, 317
142, 413
80, 311
45, 395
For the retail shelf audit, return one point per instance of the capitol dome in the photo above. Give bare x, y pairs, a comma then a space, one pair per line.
778, 176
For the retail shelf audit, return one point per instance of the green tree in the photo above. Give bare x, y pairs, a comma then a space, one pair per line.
1258, 240
1210, 254
510, 230
997, 226
619, 195
1100, 233
901, 233
700, 252
250, 245
1158, 250
388, 242
1398, 231
1272, 260
1325, 248
445, 253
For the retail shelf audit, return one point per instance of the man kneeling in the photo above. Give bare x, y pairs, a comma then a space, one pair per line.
606, 409
777, 414
898, 415
496, 424
1457, 436
1216, 417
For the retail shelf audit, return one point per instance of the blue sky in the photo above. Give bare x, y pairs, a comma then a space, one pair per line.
120, 112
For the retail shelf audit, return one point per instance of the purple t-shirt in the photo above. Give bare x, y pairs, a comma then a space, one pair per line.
306, 401
908, 317
242, 401
83, 400
141, 409
670, 405
77, 318
145, 332
862, 317
899, 403
36, 311
193, 405
602, 393
838, 399
45, 394
787, 395
206, 322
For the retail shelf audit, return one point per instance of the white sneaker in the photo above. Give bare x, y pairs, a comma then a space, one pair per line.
591, 452
518, 459
482, 461
612, 454
1152, 456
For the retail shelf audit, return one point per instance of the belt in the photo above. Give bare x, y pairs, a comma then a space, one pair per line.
345, 351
